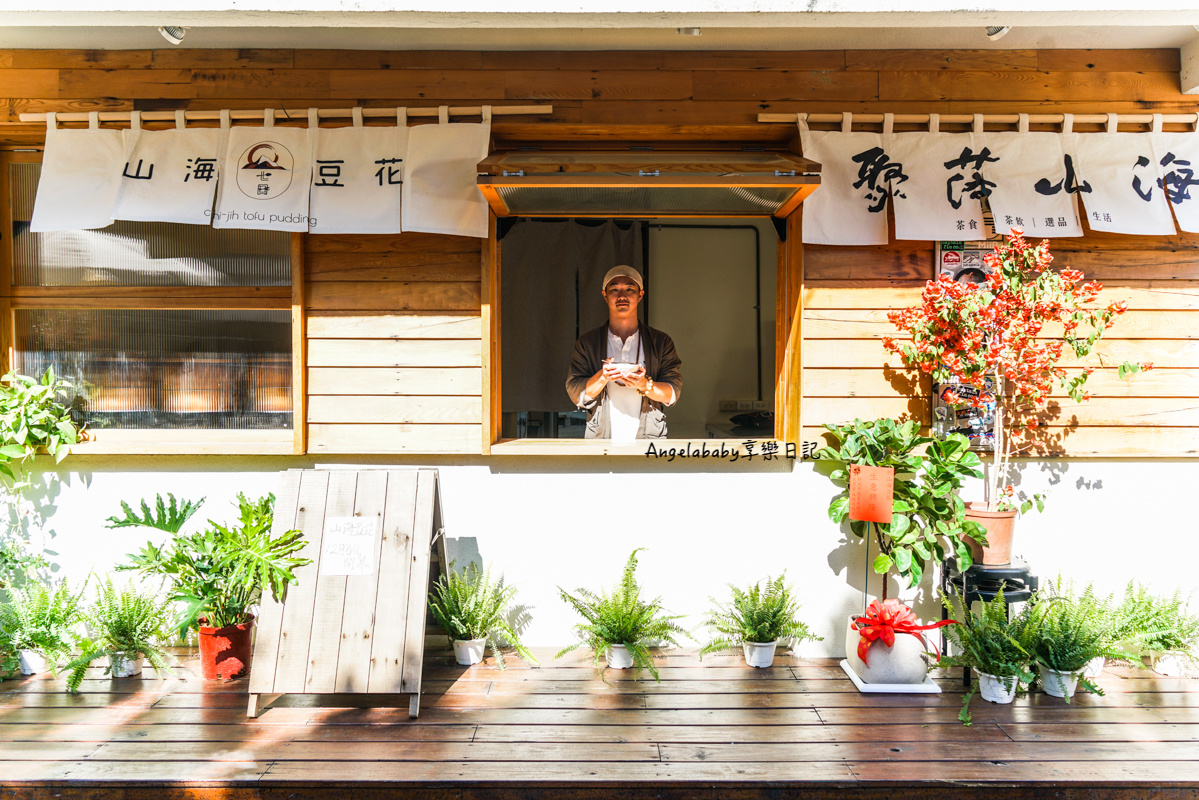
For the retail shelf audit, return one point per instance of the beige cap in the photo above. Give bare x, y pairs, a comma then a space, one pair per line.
625, 271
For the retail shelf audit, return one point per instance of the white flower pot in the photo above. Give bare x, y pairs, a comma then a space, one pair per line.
1057, 684
619, 656
759, 654
123, 665
994, 689
468, 652
1094, 668
905, 662
32, 662
1171, 666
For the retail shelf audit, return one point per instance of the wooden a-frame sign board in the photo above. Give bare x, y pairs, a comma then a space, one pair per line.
354, 621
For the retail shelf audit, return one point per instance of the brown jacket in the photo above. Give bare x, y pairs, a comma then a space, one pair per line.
661, 365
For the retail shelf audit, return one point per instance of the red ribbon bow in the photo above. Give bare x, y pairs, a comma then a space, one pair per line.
884, 620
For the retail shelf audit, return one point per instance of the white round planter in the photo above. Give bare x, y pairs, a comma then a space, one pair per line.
760, 654
619, 656
905, 662
1058, 684
468, 652
32, 662
124, 665
1171, 666
995, 690
1094, 668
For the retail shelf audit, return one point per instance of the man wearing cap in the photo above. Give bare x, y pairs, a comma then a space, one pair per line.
623, 374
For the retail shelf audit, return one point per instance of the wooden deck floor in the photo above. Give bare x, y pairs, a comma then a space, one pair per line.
710, 729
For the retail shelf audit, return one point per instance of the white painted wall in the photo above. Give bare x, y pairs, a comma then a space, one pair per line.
573, 521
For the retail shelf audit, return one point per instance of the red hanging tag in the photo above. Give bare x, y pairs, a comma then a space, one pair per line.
871, 490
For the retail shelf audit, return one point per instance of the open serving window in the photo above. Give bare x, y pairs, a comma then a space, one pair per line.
705, 228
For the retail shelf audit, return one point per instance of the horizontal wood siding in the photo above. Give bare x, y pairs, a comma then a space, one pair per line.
848, 374
394, 333
381, 380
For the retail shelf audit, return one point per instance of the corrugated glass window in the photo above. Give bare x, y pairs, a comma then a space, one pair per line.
139, 368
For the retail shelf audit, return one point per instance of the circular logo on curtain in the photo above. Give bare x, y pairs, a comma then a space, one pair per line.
266, 170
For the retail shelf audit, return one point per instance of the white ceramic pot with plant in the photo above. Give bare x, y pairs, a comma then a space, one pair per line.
1094, 668
468, 652
32, 662
995, 689
1057, 683
122, 664
619, 619
755, 619
39, 624
619, 657
129, 628
474, 611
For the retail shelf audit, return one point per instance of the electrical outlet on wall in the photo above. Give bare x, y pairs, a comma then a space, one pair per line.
744, 405
727, 405
760, 405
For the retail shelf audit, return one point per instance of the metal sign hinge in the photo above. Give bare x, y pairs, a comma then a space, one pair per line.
517, 173
778, 173
648, 173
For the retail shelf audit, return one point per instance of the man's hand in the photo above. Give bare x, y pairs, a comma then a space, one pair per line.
609, 372
636, 379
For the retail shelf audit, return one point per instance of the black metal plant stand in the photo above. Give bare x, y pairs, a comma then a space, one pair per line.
984, 583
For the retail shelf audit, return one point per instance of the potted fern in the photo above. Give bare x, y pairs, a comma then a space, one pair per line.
474, 610
128, 627
989, 643
40, 625
755, 619
620, 625
1062, 636
1158, 628
219, 573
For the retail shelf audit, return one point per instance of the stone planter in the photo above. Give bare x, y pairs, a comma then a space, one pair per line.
994, 689
32, 662
125, 665
1058, 684
905, 662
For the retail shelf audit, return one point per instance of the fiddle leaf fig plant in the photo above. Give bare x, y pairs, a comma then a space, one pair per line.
928, 520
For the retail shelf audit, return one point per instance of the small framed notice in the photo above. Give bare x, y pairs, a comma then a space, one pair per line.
871, 490
349, 546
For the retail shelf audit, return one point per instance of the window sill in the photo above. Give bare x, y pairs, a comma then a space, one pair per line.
186, 442
661, 448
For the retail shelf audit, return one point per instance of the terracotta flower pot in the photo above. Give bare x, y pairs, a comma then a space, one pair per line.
999, 525
225, 652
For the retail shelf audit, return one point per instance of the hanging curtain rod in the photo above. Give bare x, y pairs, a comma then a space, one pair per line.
297, 114
998, 119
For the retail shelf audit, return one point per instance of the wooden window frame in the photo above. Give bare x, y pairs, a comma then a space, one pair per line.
157, 441
788, 366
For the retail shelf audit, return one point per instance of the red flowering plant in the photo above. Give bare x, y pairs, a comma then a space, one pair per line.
1011, 332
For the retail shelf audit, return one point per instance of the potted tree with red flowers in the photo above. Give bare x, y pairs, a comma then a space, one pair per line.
1004, 340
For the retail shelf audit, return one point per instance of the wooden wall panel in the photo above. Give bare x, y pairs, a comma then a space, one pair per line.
394, 325
394, 344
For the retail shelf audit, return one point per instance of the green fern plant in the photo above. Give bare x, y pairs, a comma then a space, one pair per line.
1146, 621
37, 617
988, 642
1064, 633
470, 605
622, 617
765, 612
123, 621
220, 573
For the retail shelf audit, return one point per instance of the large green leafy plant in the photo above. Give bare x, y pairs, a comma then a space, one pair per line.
123, 620
219, 573
764, 612
38, 617
469, 605
1065, 632
928, 519
622, 617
